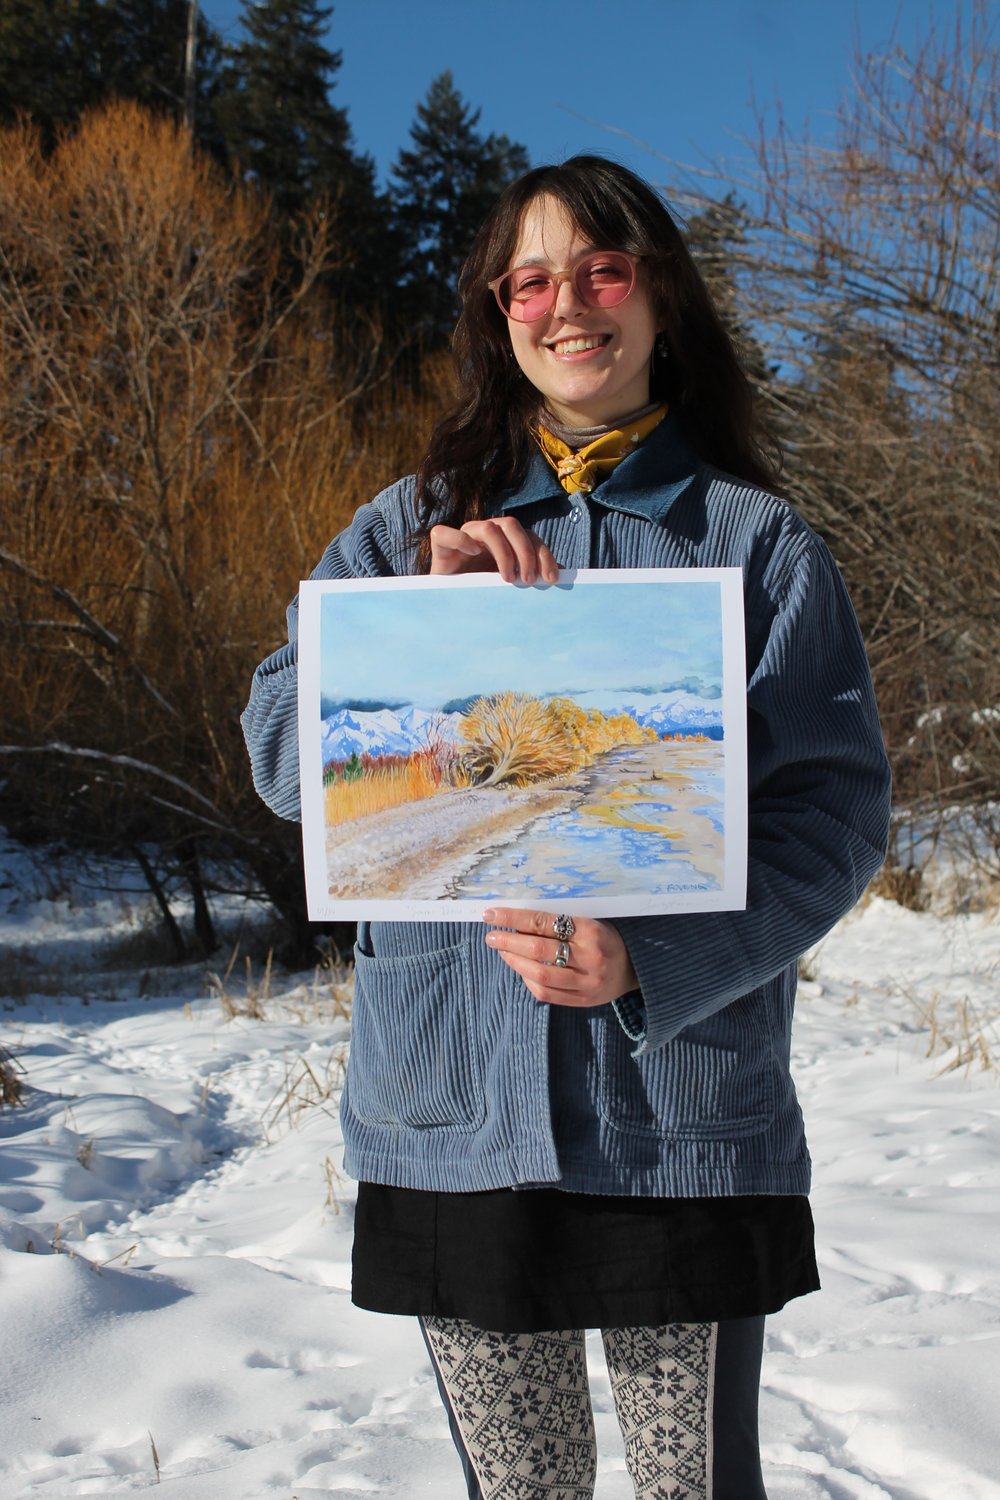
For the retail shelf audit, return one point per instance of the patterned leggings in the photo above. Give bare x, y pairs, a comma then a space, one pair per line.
685, 1395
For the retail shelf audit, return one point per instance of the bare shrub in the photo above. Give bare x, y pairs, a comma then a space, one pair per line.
902, 884
181, 432
869, 270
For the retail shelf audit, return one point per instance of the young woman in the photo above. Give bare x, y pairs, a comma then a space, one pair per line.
564, 1123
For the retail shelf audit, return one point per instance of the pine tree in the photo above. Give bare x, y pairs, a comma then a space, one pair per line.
444, 187
283, 131
149, 62
60, 57
280, 125
50, 60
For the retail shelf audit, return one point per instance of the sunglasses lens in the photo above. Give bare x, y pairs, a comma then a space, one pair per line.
526, 294
605, 280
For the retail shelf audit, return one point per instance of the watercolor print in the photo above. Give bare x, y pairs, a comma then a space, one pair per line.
577, 747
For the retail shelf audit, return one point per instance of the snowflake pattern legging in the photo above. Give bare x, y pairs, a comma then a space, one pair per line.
685, 1394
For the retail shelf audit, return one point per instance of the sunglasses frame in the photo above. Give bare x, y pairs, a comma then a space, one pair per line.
558, 277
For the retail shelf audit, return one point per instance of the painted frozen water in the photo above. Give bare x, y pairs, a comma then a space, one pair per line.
604, 841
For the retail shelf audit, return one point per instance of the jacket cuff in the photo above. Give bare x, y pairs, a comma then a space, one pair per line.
630, 1009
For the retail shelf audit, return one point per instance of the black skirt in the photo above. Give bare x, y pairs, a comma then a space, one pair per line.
521, 1261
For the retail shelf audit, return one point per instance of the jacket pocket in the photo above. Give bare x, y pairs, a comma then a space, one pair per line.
715, 1081
414, 1062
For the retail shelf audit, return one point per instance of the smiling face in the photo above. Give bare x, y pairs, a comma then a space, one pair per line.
590, 364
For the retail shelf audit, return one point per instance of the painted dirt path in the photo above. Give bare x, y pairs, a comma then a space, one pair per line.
432, 849
413, 850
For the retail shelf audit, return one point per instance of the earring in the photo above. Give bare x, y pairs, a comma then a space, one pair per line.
659, 355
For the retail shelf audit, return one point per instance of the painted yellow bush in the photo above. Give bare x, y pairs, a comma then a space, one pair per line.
619, 729
514, 739
574, 722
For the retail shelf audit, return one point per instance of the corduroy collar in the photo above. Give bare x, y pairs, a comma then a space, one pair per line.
645, 484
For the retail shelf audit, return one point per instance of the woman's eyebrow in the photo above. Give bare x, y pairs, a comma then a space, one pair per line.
541, 260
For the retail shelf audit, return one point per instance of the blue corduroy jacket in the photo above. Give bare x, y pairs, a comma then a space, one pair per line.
458, 1079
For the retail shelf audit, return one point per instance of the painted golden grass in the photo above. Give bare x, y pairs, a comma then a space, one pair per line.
507, 739
389, 781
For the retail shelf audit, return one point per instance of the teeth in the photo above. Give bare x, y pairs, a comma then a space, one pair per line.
576, 346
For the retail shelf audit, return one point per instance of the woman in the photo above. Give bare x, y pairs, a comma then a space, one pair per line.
557, 1123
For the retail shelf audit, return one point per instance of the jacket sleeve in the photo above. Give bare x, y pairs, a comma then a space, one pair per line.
819, 791
375, 545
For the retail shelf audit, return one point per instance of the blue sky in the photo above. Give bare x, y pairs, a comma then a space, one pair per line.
679, 75
533, 640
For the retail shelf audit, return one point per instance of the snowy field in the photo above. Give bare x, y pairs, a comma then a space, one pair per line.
175, 1234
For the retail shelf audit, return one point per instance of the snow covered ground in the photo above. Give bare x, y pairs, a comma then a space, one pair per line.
175, 1237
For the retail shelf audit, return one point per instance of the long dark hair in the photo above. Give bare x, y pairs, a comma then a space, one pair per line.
483, 444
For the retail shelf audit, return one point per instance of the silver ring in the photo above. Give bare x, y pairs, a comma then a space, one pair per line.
564, 928
562, 956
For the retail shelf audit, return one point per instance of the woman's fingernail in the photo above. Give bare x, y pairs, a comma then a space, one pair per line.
489, 914
491, 938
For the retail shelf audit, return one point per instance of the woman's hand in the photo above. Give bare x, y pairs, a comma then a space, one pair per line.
500, 545
598, 967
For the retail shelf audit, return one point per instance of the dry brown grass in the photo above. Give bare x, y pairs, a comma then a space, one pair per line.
904, 886
966, 1034
11, 1080
307, 1085
251, 996
251, 1003
334, 1184
330, 994
155, 1456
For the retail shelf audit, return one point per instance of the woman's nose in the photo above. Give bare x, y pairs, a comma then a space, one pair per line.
568, 303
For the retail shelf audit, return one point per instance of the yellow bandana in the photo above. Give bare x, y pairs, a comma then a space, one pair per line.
585, 468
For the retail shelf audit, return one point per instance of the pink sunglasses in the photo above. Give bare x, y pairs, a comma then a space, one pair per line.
602, 278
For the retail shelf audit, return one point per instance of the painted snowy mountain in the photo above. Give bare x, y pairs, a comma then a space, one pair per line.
668, 711
387, 731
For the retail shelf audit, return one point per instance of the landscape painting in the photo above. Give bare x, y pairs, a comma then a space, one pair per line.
573, 747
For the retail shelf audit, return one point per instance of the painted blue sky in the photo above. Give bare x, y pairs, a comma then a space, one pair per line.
685, 77
426, 646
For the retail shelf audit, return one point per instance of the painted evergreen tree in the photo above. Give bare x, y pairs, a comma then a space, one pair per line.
444, 186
